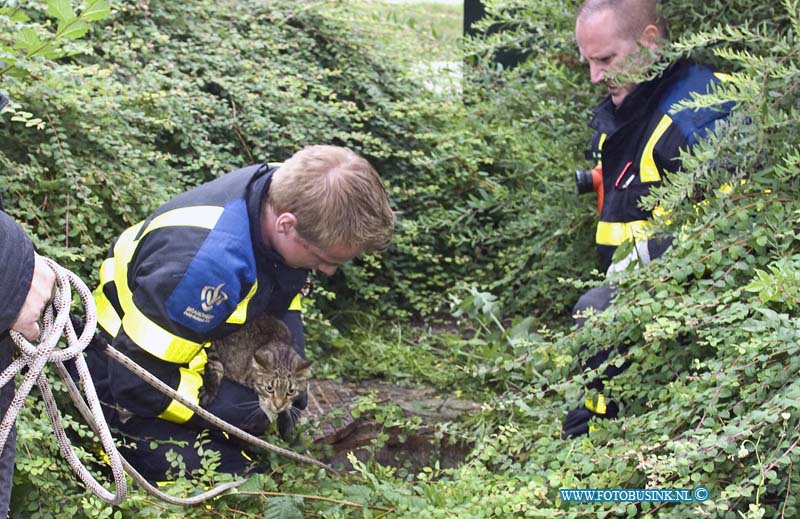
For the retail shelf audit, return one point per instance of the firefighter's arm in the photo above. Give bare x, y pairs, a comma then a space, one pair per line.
153, 331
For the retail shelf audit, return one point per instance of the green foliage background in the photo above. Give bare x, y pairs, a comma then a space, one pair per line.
160, 96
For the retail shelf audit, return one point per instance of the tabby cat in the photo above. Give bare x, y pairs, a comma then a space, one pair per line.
261, 356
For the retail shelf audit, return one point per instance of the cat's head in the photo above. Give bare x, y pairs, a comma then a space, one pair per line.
282, 374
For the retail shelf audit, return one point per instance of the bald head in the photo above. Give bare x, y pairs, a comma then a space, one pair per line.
632, 16
618, 38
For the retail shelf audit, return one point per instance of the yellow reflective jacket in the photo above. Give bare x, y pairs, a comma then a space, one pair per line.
193, 271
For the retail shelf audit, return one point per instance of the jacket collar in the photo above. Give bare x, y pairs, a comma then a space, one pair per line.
607, 118
256, 197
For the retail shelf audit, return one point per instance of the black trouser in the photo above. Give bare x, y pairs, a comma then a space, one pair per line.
7, 348
576, 422
146, 442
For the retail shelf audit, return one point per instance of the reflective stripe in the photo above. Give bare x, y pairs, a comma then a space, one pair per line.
190, 388
198, 363
107, 316
648, 171
616, 233
723, 76
144, 332
157, 341
107, 271
203, 216
239, 316
297, 303
600, 143
596, 405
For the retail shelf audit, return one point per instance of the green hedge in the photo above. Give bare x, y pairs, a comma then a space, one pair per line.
164, 95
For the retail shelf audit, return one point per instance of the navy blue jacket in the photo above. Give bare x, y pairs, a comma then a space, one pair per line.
195, 270
16, 269
639, 142
16, 275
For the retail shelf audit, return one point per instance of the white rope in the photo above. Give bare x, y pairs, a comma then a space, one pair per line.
35, 358
209, 417
56, 323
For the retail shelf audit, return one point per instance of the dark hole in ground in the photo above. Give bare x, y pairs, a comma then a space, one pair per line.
330, 415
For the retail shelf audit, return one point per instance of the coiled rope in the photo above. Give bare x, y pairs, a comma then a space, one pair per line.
56, 323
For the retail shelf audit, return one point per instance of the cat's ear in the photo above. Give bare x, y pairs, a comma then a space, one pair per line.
265, 357
265, 323
283, 332
301, 368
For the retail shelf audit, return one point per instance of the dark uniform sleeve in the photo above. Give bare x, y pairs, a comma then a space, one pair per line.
16, 269
173, 302
154, 273
16, 275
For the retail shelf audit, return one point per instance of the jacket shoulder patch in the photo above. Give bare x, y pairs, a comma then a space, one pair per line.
220, 274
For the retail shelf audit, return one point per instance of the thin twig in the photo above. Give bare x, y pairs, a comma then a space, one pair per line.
317, 498
66, 165
788, 490
235, 127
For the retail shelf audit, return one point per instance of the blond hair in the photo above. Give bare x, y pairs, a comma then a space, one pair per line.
337, 197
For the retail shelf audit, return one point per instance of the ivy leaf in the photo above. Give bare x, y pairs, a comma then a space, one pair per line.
27, 40
15, 15
285, 507
73, 29
49, 51
253, 484
96, 10
60, 9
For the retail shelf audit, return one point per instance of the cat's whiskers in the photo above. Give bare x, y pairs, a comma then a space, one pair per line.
295, 413
246, 404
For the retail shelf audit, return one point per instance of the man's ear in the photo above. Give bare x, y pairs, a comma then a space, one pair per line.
285, 223
650, 38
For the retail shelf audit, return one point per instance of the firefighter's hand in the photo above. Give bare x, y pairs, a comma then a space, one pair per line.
40, 293
237, 405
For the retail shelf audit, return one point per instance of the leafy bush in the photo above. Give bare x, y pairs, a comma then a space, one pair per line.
166, 95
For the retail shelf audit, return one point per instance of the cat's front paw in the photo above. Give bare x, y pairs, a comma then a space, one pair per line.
206, 396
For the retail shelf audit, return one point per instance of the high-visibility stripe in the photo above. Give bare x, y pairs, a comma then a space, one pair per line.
198, 363
616, 233
203, 216
599, 152
648, 171
596, 405
107, 271
601, 141
156, 340
239, 316
143, 331
297, 303
107, 315
188, 387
